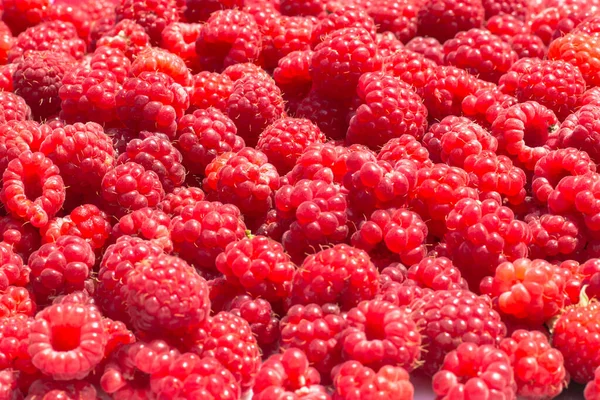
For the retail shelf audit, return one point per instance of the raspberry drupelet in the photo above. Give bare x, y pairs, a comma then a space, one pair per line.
147, 223
210, 89
352, 380
556, 235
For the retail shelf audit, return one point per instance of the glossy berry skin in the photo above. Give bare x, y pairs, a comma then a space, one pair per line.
147, 223
443, 19
261, 317
437, 273
126, 36
210, 89
67, 340
579, 131
12, 271
539, 369
158, 60
353, 381
405, 147
475, 371
16, 300
174, 202
152, 15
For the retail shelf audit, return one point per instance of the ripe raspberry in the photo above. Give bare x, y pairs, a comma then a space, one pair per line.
67, 341
528, 46
442, 19
12, 270
411, 67
518, 9
19, 136
329, 115
180, 38
352, 380
483, 234
229, 339
340, 60
282, 35
9, 385
13, 108
505, 25
341, 274
147, 223
539, 368
405, 147
437, 273
387, 44
339, 16
324, 161
38, 78
111, 59
152, 15
210, 89
236, 72
126, 36
202, 231
14, 301
526, 132
558, 84
62, 267
259, 314
55, 389
592, 388
152, 102
158, 155
590, 97
201, 10
6, 76
562, 199
228, 37
429, 47
23, 238
14, 339
447, 318
32, 188
154, 59
556, 21
78, 16
475, 371
22, 14
386, 108
180, 197
397, 17
117, 262
292, 76
212, 172
302, 8
557, 164
52, 37
579, 130
262, 11
484, 106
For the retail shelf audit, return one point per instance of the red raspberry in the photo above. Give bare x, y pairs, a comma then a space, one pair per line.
202, 231
480, 53
153, 102
228, 37
323, 161
437, 273
580, 130
588, 272
442, 19
236, 72
447, 318
210, 89
259, 314
475, 371
554, 166
180, 197
32, 188
67, 341
38, 78
429, 47
22, 14
590, 97
411, 67
592, 388
118, 335
341, 274
212, 172
483, 234
126, 36
62, 267
339, 16
387, 44
180, 38
292, 76
288, 374
229, 339
9, 385
154, 59
6, 76
147, 223
526, 132
539, 368
53, 37
340, 60
111, 59
386, 108
555, 21
12, 270
483, 106
201, 10
14, 339
562, 199
13, 108
117, 261
282, 35
405, 147
445, 91
302, 8
73, 389
14, 301
558, 84
78, 16
23, 238
152, 15
518, 9
262, 11
158, 155
17, 137
352, 380
528, 46
505, 25
397, 17
328, 114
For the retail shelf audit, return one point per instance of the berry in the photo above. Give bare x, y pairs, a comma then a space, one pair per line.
302, 8
23, 238
396, 17
147, 223
483, 106
562, 200
126, 36
78, 16
200, 10
180, 197
579, 130
282, 35
592, 389
556, 21
180, 38
14, 339
328, 114
259, 314
405, 147
442, 19
210, 89
154, 59
429, 47
22, 14
8, 384
12, 270
17, 137
518, 9
111, 59
52, 37
13, 108
437, 273
352, 380
152, 15
16, 300
528, 46
411, 67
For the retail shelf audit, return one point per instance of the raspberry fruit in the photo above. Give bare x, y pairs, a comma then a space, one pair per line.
23, 238
110, 59
579, 50
411, 67
429, 47
443, 19
579, 130
528, 46
405, 147
555, 21
397, 17
12, 270
14, 301
22, 14
339, 16
518, 9
259, 314
282, 35
154, 59
437, 273
147, 223
126, 36
562, 200
210, 89
180, 197
352, 380
48, 37
556, 235
483, 106
152, 15
328, 114
14, 339
13, 108
180, 38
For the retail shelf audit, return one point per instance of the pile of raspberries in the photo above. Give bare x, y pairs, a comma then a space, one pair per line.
299, 199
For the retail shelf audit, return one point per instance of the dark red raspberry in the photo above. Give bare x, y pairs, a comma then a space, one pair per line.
202, 231
340, 60
506, 25
152, 102
476, 371
580, 131
483, 234
126, 36
12, 270
111, 59
339, 16
405, 147
387, 44
201, 10
480, 53
555, 84
288, 374
254, 104
53, 37
483, 106
352, 380
518, 9
555, 21
259, 314
592, 388
152, 15
386, 108
180, 38
528, 46
13, 108
14, 301
67, 340
413, 68
180, 197
210, 89
229, 339
282, 35
78, 16
397, 17
19, 136
341, 274
62, 267
6, 76
32, 188
228, 37
429, 47
158, 155
23, 238
22, 14
442, 19
147, 223
437, 273
38, 78
154, 59
328, 114
302, 8
526, 132
14, 339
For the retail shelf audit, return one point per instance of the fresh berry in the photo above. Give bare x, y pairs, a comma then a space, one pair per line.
16, 300
579, 131
555, 21
126, 36
405, 147
302, 8
154, 59
328, 114
592, 388
413, 68
111, 59
518, 9
528, 46
147, 223
22, 14
442, 19
429, 47
14, 339
261, 317
53, 37
352, 380
210, 89
180, 38
483, 106
437, 273
282, 35
152, 15
180, 197
22, 238
12, 270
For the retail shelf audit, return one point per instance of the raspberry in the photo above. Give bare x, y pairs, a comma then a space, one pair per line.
117, 262
558, 84
202, 231
14, 339
73, 14
210, 89
505, 25
475, 371
590, 97
282, 35
180, 197
12, 270
228, 37
152, 15
262, 11
329, 115
405, 147
23, 238
236, 72
342, 16
554, 166
259, 314
22, 14
6, 76
146, 223
429, 47
201, 10
13, 108
483, 234
579, 130
579, 50
154, 59
387, 106
554, 22
483, 106
111, 59
437, 273
73, 389
53, 37
592, 389
32, 188
352, 380
212, 172
340, 60
562, 199
229, 339
67, 341
518, 9
302, 8
126, 36
411, 67
447, 318
180, 38
324, 161
14, 301
528, 46
341, 274
8, 384
152, 101
397, 17
19, 136
292, 76
158, 155
442, 19
387, 44
526, 132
